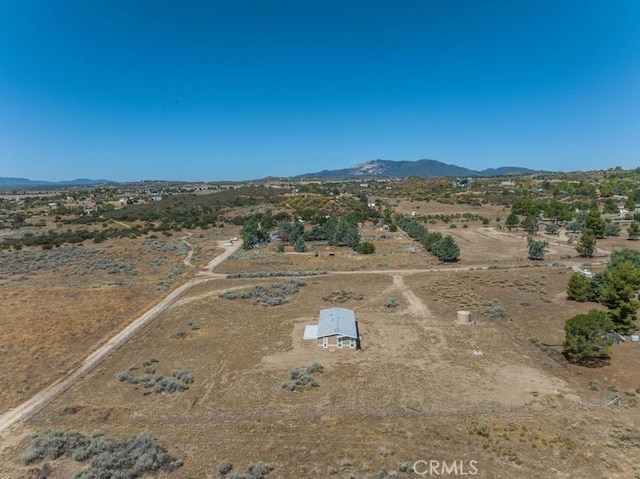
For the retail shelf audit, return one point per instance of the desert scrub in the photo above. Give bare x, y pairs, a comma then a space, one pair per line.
84, 261
107, 457
274, 274
255, 470
174, 273
340, 296
495, 309
193, 325
272, 296
391, 303
179, 379
301, 377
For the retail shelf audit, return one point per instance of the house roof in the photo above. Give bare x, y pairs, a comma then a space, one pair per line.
337, 321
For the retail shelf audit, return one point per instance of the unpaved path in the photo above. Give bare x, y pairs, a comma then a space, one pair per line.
43, 397
187, 259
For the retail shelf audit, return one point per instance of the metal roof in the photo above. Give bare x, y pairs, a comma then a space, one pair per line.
337, 321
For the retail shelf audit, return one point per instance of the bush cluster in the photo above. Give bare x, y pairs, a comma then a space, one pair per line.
272, 296
274, 274
84, 261
255, 470
178, 380
301, 377
495, 309
107, 457
340, 296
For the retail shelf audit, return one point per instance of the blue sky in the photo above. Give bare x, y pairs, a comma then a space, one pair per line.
213, 90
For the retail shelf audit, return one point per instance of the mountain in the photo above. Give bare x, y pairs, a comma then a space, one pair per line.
423, 168
4, 181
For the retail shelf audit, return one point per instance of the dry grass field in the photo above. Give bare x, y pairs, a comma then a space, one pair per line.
60, 305
417, 390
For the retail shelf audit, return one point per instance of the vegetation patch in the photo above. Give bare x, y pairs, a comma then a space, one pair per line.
340, 296
302, 377
178, 380
274, 274
255, 470
272, 296
106, 457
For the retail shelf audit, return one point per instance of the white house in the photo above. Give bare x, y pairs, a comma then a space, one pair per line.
337, 329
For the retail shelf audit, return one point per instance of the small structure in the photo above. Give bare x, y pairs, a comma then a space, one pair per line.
464, 317
337, 329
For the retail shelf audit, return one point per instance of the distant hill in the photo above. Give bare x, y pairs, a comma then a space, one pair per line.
401, 169
4, 181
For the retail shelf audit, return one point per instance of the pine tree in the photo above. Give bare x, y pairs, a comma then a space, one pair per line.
446, 250
619, 295
578, 288
300, 246
512, 221
586, 337
586, 247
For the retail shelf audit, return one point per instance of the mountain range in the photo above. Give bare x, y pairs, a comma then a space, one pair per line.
4, 181
421, 168
371, 169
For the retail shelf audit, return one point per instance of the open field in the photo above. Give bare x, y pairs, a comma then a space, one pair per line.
61, 304
416, 390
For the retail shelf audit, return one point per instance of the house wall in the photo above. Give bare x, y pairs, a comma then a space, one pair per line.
333, 344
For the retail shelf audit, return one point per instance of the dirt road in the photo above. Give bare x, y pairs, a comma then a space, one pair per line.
48, 394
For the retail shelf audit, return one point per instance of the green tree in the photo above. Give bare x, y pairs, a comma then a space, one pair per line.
633, 231
366, 247
530, 224
586, 337
586, 247
630, 204
594, 222
621, 255
613, 229
432, 239
252, 234
536, 248
525, 206
610, 206
620, 296
551, 229
578, 288
300, 246
512, 221
447, 250
596, 285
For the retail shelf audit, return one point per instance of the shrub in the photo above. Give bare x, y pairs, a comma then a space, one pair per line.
315, 367
391, 303
224, 467
178, 381
258, 470
366, 247
301, 377
495, 309
108, 457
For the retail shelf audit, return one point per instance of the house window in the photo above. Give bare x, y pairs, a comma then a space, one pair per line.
352, 343
339, 342
325, 342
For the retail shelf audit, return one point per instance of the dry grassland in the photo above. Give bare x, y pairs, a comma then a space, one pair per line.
416, 388
60, 305
415, 391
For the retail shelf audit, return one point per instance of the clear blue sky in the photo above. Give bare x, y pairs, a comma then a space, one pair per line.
229, 90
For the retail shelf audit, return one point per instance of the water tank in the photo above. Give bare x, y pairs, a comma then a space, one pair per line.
464, 317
